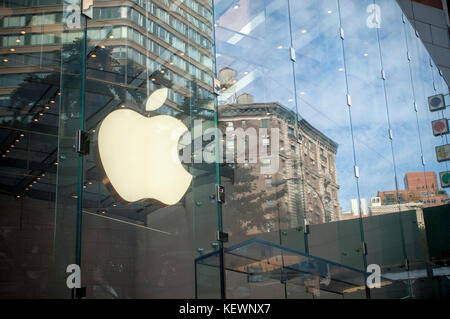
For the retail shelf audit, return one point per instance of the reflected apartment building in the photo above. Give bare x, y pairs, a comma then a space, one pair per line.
304, 185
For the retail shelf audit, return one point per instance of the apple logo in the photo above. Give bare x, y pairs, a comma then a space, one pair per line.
139, 154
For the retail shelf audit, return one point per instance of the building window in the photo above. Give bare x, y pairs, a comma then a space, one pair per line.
14, 21
266, 162
291, 132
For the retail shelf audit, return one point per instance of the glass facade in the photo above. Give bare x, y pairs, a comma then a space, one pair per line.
219, 149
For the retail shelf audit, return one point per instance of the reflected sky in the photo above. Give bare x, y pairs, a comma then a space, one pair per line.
253, 38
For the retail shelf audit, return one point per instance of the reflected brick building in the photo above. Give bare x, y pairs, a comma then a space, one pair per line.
306, 180
420, 188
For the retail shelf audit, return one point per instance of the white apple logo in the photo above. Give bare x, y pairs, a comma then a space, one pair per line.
139, 154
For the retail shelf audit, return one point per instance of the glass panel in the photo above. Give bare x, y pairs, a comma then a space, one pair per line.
29, 106
116, 132
327, 152
257, 115
151, 234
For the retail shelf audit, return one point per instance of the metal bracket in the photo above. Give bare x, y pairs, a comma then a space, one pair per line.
293, 56
79, 293
283, 277
364, 248
83, 140
222, 237
220, 193
305, 227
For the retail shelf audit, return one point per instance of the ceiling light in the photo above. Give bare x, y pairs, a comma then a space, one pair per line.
330, 12
291, 100
18, 196
280, 47
366, 54
7, 151
17, 141
302, 93
41, 114
111, 36
237, 6
341, 69
12, 49
5, 60
123, 105
52, 101
93, 55
12, 146
17, 40
58, 93
47, 107
43, 174
304, 31
3, 155
35, 120
182, 54
22, 135
22, 32
102, 46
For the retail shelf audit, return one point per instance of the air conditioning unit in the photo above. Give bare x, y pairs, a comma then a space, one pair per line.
436, 103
